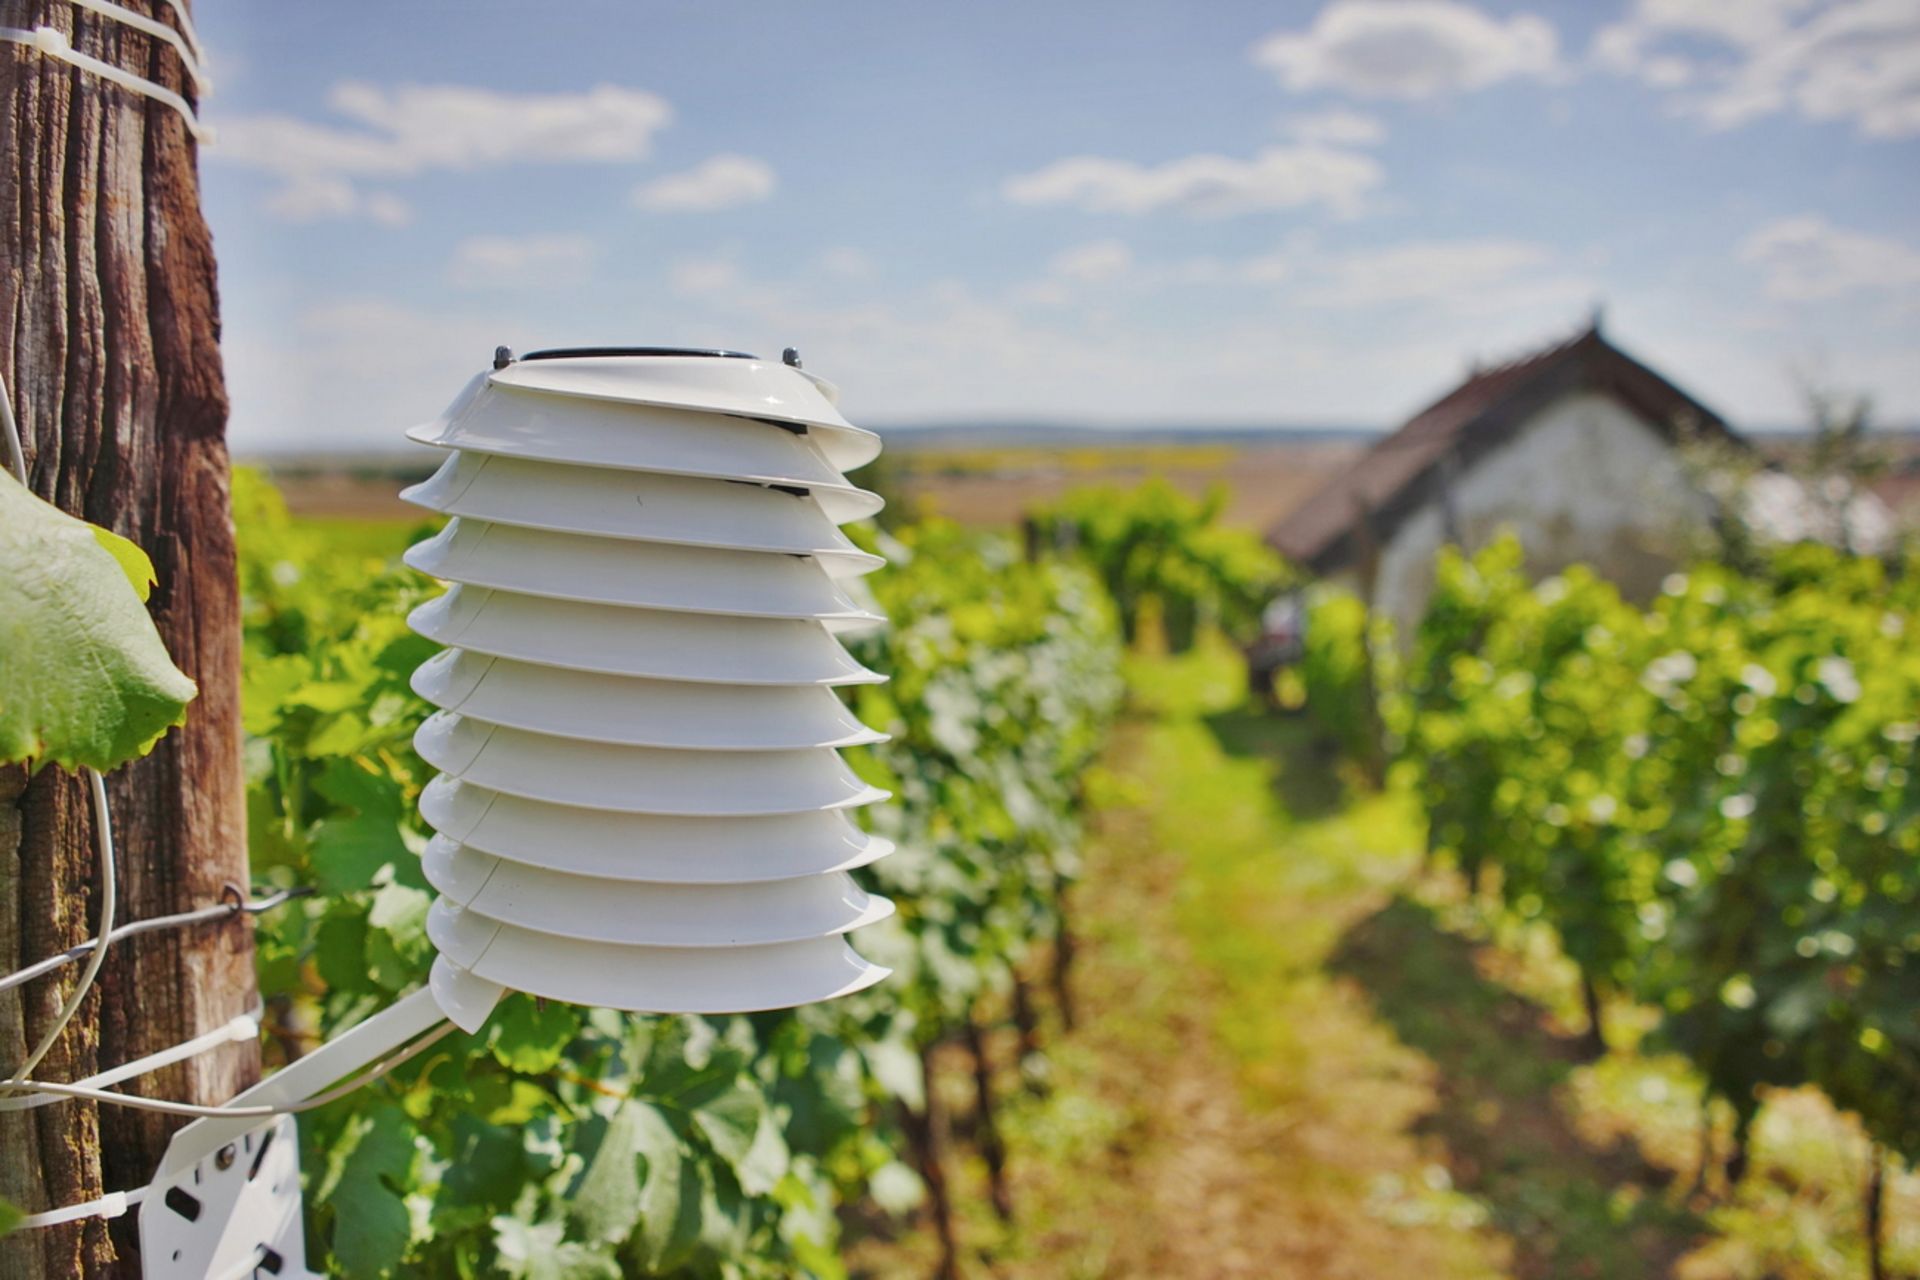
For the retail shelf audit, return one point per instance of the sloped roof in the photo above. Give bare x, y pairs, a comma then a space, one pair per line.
1400, 473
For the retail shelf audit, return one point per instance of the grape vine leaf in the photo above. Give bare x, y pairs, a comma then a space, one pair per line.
84, 677
738, 1128
538, 1251
532, 1037
371, 1225
133, 562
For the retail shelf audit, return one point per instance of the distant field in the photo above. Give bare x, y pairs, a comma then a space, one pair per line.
998, 486
988, 486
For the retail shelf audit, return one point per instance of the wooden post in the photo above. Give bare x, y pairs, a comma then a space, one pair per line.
109, 336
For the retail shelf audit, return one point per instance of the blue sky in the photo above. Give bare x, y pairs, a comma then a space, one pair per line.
1131, 212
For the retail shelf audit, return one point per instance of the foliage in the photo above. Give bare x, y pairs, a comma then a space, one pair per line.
567, 1143
1336, 668
1156, 547
1712, 801
1004, 676
84, 676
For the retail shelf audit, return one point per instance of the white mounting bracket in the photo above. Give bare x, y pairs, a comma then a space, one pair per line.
225, 1203
235, 1215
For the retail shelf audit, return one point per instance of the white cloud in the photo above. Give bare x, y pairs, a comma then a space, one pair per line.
705, 277
1727, 64
520, 262
1408, 49
1098, 262
722, 182
1286, 177
410, 129
846, 262
1094, 263
1808, 259
1335, 127
1423, 271
311, 199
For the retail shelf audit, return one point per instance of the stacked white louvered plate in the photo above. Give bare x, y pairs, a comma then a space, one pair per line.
641, 802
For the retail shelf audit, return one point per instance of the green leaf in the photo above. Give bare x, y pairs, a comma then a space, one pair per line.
84, 677
897, 1068
10, 1216
348, 849
134, 562
532, 1038
742, 1133
605, 1200
670, 1196
366, 1171
896, 1188
539, 1251
398, 950
340, 951
486, 1167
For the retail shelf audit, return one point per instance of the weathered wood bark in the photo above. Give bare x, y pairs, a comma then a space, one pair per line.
108, 342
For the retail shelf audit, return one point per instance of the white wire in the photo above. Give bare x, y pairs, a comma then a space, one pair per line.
186, 28
53, 42
159, 31
233, 1113
109, 891
10, 431
133, 929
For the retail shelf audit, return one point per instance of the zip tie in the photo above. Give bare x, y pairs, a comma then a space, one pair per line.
230, 1111
159, 31
111, 1205
54, 44
239, 1030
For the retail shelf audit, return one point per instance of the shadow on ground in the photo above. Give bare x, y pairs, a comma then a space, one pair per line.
1571, 1210
1305, 779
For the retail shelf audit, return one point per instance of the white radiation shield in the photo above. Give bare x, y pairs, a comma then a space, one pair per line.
641, 802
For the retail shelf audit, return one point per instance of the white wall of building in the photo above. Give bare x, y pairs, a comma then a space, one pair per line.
1583, 482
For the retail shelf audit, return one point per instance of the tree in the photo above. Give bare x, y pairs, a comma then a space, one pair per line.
109, 337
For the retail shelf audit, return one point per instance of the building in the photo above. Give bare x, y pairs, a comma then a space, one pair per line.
1574, 448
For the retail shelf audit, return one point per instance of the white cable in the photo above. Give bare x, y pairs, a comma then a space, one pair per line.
240, 1030
10, 435
109, 891
179, 8
234, 1113
54, 44
159, 31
